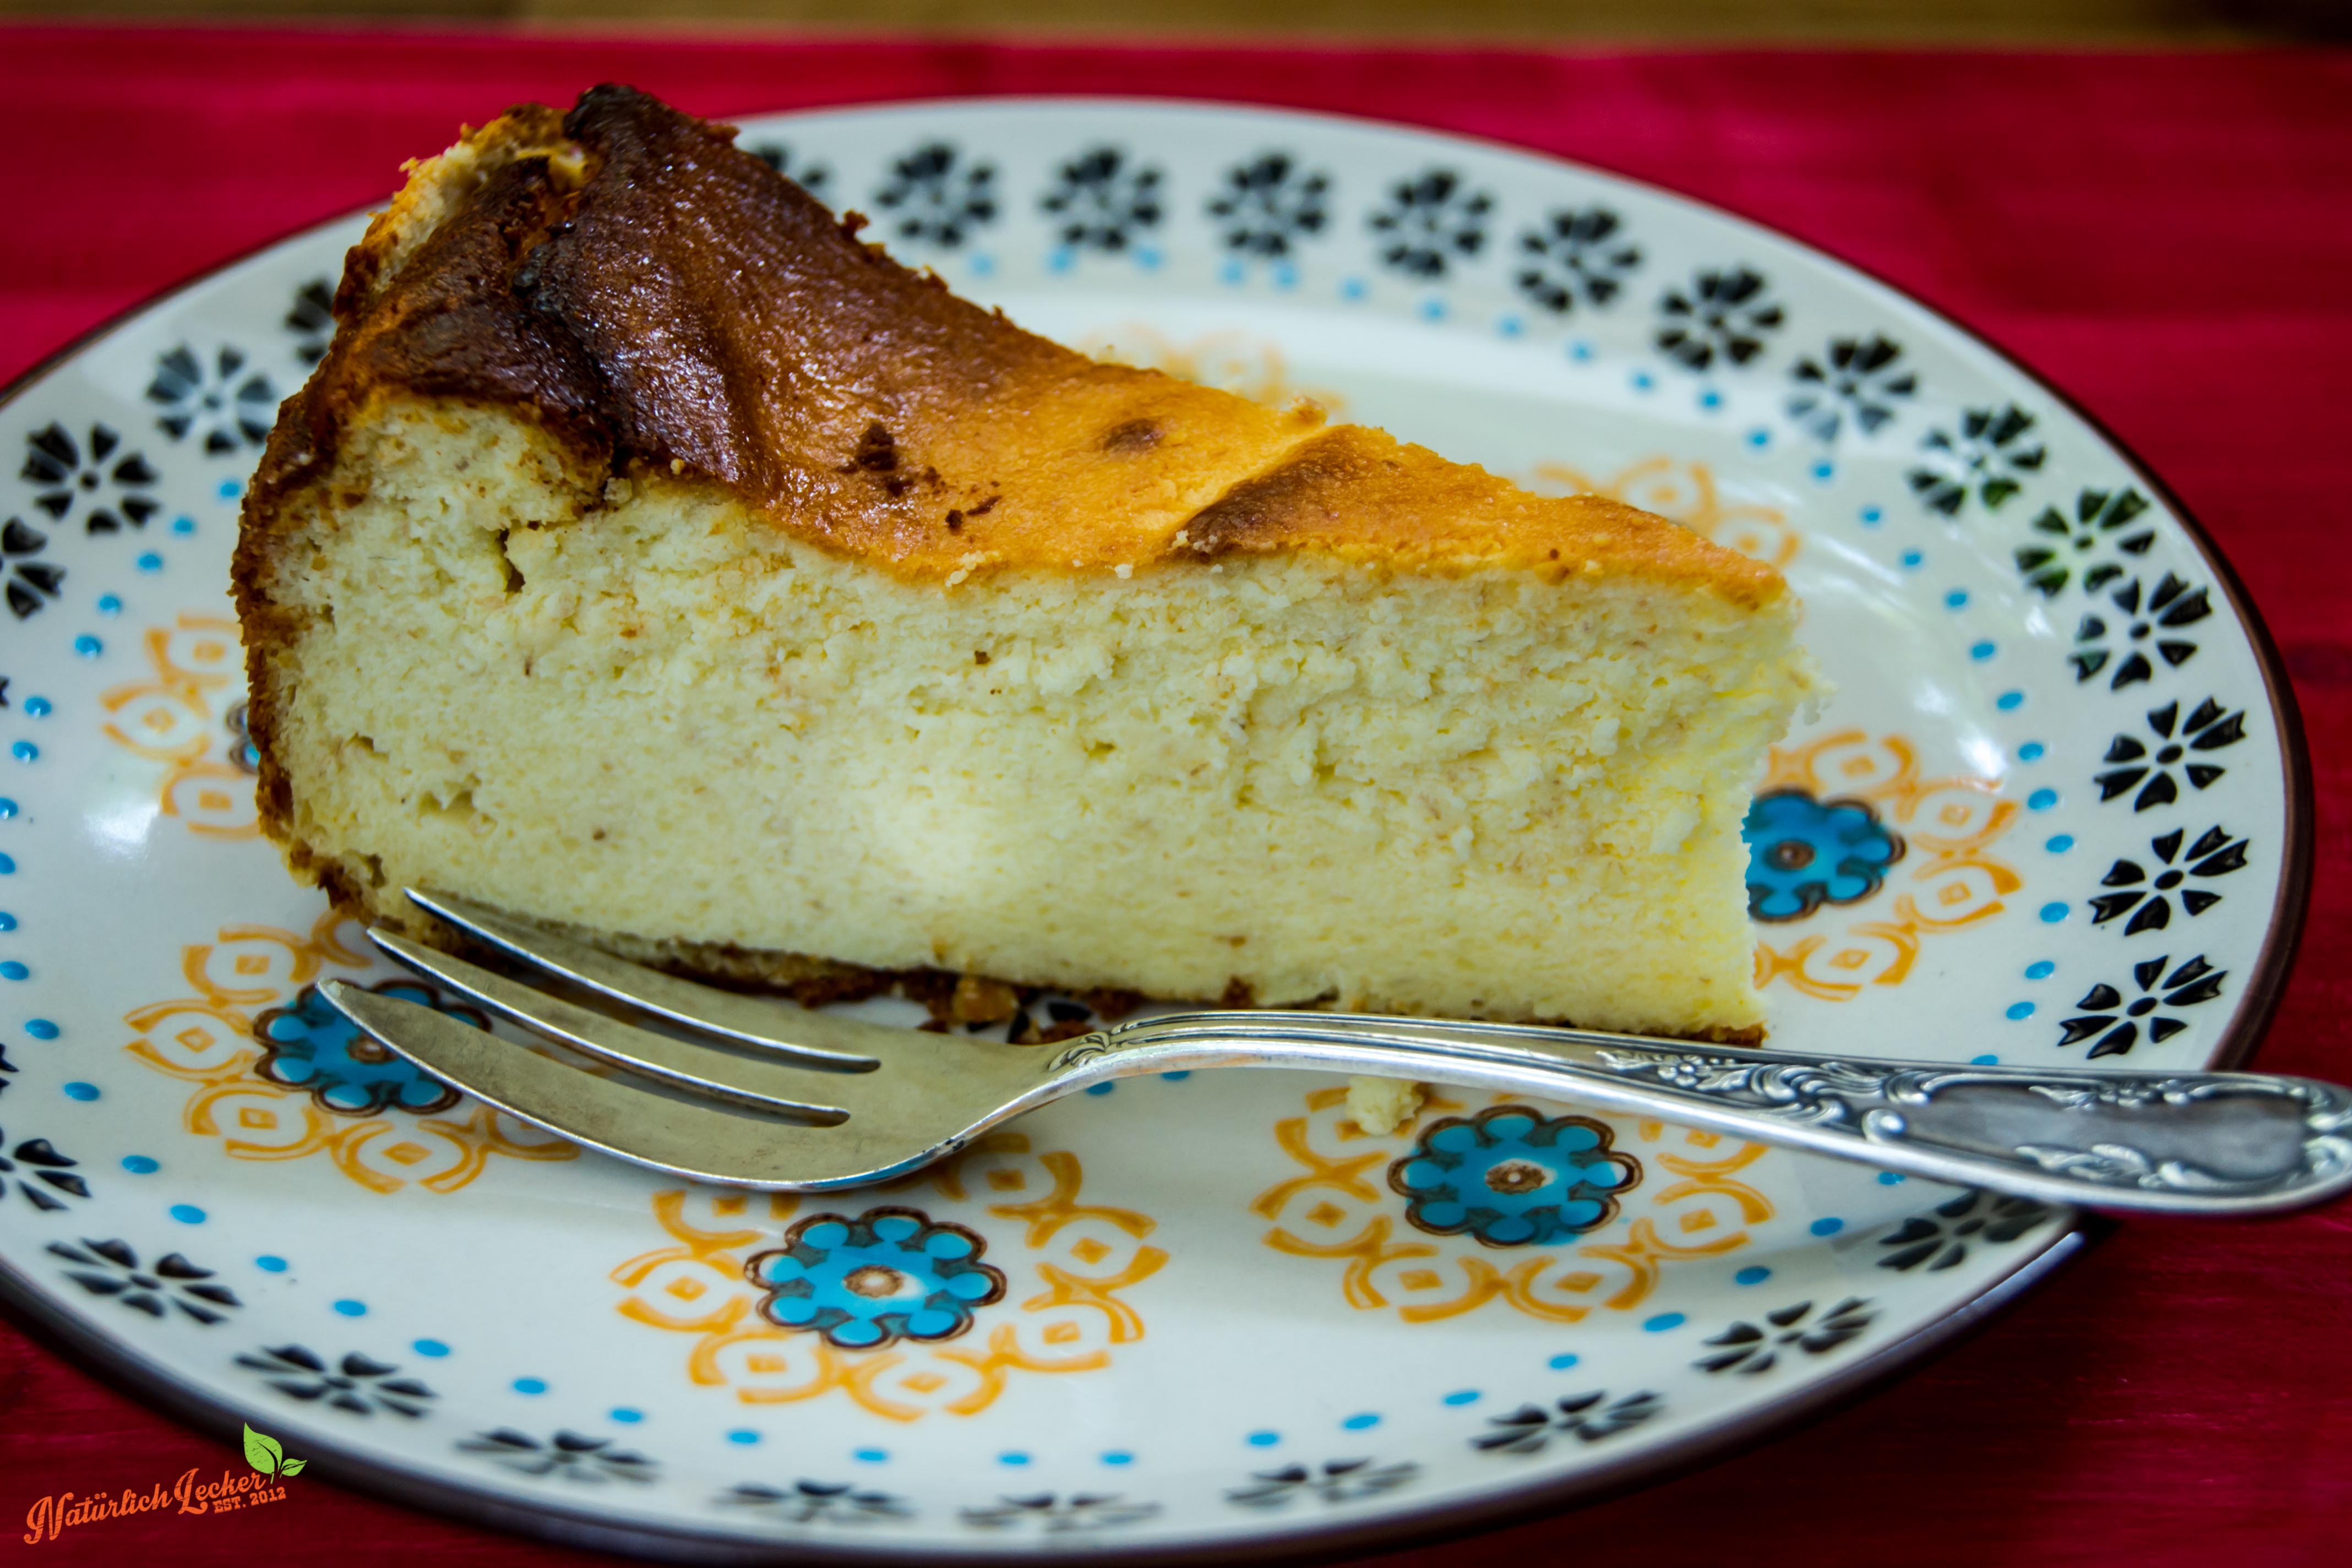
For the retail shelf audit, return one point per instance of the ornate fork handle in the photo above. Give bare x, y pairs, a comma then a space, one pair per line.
2187, 1142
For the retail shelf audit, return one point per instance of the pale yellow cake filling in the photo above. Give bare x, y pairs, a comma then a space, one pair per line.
642, 709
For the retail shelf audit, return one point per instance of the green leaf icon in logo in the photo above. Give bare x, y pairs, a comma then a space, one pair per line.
264, 1453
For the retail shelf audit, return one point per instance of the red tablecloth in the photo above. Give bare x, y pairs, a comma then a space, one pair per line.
2168, 236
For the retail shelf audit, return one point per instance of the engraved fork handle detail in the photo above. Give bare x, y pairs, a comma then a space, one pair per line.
2183, 1142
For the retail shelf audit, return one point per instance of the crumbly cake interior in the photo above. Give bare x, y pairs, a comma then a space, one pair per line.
642, 706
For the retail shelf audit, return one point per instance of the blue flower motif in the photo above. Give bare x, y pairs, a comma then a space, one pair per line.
309, 1046
887, 1275
1511, 1178
1803, 853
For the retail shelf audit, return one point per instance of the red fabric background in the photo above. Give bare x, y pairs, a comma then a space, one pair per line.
2169, 238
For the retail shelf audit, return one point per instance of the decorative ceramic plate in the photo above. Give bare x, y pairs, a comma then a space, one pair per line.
2052, 815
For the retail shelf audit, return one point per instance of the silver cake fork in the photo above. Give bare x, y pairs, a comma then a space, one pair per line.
768, 1095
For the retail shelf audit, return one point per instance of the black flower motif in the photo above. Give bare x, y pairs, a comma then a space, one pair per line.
112, 491
817, 1502
1856, 377
1983, 457
1940, 1239
31, 584
1748, 1349
1333, 1481
1430, 223
2207, 729
113, 1268
1269, 204
1100, 201
2125, 643
6, 1065
38, 1160
1576, 253
575, 1458
2115, 1021
936, 196
231, 404
2149, 900
2101, 517
1722, 314
1588, 1417
356, 1384
311, 319
810, 176
1055, 1514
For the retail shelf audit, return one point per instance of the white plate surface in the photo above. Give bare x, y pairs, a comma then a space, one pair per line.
2050, 814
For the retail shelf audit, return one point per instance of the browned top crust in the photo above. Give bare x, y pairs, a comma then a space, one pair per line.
659, 300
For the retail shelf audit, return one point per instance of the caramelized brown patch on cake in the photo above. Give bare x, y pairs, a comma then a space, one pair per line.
1134, 435
878, 451
651, 294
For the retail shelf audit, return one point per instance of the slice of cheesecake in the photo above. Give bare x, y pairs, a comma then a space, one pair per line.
649, 555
